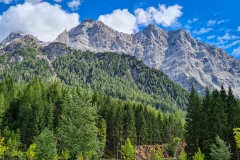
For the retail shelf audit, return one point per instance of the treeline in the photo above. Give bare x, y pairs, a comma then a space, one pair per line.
121, 76
215, 114
117, 75
40, 121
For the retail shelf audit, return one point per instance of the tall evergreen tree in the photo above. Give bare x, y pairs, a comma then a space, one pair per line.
192, 135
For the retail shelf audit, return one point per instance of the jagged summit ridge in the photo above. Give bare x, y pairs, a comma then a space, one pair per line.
184, 59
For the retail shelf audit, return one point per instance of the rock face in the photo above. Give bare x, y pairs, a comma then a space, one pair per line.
15, 35
184, 59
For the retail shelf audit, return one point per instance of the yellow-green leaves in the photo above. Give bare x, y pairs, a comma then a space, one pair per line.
31, 152
3, 148
236, 132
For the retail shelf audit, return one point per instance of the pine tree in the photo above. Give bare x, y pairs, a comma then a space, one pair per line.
129, 124
220, 151
78, 131
198, 155
46, 145
192, 135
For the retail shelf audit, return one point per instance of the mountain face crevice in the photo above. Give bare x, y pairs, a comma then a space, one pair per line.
184, 59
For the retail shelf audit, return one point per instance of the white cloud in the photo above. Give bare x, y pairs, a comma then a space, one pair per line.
211, 37
165, 16
222, 21
214, 22
236, 52
58, 1
43, 20
120, 20
74, 4
238, 28
211, 22
6, 1
232, 44
124, 21
202, 31
192, 20
33, 1
227, 37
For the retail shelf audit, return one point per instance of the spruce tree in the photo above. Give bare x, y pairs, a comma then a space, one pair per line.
192, 125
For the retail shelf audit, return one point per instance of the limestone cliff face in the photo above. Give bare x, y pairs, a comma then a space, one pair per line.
184, 59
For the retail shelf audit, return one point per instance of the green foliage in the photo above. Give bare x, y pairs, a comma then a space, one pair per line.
192, 124
102, 123
78, 131
3, 148
220, 151
158, 154
65, 155
198, 155
171, 147
102, 126
182, 155
46, 145
128, 150
13, 143
236, 132
31, 152
121, 76
216, 114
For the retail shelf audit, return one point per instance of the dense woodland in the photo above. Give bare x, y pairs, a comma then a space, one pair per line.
54, 120
91, 106
213, 115
119, 76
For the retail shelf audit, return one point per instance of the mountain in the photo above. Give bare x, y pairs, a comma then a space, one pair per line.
184, 59
118, 75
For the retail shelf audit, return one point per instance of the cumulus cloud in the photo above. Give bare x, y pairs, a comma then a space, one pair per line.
74, 4
33, 1
6, 1
202, 30
120, 20
238, 28
192, 20
165, 16
236, 52
124, 21
211, 37
40, 19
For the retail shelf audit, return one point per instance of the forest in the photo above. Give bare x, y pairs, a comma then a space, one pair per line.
88, 105
119, 76
54, 121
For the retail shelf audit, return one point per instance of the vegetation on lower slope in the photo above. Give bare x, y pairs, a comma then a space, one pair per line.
210, 122
119, 76
53, 121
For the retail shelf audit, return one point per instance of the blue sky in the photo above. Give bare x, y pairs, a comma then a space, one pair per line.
211, 21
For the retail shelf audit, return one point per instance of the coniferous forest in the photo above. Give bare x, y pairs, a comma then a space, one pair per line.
49, 121
87, 105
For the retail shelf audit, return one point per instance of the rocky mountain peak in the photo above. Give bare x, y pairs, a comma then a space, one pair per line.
88, 20
15, 35
63, 37
184, 59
